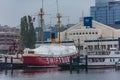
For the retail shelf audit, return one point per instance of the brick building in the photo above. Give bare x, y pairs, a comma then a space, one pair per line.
8, 36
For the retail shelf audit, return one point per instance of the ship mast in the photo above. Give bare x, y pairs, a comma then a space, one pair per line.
41, 14
58, 17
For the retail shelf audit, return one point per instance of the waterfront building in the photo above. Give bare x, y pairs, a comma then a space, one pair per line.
97, 36
106, 11
8, 36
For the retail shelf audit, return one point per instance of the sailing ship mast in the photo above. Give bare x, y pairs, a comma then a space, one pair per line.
41, 14
58, 17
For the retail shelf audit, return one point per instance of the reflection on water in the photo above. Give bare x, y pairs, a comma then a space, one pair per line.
56, 74
40, 71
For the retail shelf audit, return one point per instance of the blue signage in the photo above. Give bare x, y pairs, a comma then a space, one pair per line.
117, 22
88, 21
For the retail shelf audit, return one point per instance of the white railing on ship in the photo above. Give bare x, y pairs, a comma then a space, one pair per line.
98, 52
7, 55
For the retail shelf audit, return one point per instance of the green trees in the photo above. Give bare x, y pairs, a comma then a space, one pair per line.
28, 36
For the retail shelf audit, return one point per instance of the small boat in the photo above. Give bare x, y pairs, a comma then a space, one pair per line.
49, 55
103, 58
99, 59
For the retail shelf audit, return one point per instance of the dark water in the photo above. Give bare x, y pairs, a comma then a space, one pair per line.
56, 74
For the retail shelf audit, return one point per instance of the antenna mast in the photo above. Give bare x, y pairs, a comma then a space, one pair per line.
41, 14
58, 17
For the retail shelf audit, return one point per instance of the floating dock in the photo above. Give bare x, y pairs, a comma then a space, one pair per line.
11, 63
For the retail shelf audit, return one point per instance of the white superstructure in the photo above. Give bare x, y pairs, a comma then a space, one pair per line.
104, 58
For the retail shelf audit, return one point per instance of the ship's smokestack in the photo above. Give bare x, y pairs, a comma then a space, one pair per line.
53, 37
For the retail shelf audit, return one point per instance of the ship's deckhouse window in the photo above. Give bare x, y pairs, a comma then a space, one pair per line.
30, 52
115, 45
117, 52
112, 60
119, 60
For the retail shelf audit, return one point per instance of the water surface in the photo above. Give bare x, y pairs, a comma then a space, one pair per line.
56, 74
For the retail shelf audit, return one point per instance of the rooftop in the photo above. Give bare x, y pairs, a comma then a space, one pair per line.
114, 26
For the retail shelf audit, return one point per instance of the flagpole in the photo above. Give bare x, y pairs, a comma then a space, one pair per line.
42, 3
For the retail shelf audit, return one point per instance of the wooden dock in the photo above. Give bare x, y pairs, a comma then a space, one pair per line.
11, 62
117, 65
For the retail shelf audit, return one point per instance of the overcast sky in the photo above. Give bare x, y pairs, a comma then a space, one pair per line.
12, 10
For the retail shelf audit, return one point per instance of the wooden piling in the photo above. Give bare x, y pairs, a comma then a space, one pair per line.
86, 63
71, 64
11, 63
5, 65
78, 61
5, 62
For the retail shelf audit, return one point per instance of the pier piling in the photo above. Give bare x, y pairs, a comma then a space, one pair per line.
11, 61
86, 63
80, 62
5, 62
11, 65
5, 65
71, 64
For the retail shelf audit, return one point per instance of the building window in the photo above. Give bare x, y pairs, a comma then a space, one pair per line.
90, 47
96, 46
76, 33
103, 47
115, 46
89, 32
109, 46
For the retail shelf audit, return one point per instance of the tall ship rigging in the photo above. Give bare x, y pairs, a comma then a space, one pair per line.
49, 54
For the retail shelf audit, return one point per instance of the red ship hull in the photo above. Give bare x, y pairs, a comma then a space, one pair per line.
45, 61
